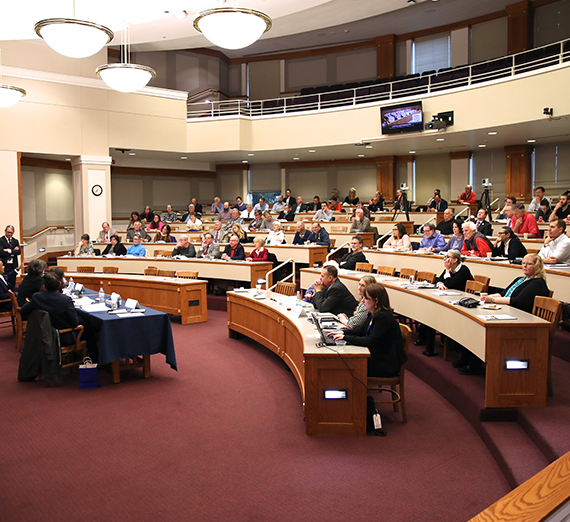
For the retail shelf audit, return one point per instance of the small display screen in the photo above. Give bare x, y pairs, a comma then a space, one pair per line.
516, 364
335, 394
402, 118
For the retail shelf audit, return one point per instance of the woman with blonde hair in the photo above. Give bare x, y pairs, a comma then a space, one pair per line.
352, 198
360, 314
259, 253
240, 233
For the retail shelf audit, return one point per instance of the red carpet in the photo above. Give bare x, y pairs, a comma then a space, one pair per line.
224, 439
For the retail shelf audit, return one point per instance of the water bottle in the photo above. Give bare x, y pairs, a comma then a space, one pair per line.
101, 295
298, 298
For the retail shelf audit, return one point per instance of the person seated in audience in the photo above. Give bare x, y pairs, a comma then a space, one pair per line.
60, 275
525, 222
186, 216
454, 277
364, 209
238, 231
360, 315
276, 236
352, 197
170, 216
289, 199
334, 205
287, 214
5, 287
156, 224
84, 247
217, 206
438, 204
331, 295
432, 239
468, 196
445, 227
399, 240
138, 230
299, 207
267, 223
360, 223
240, 205
234, 250
197, 208
165, 235
508, 245
319, 236
184, 247
146, 215
522, 291
255, 225
474, 243
115, 248
248, 214
482, 224
194, 224
136, 249
536, 203
209, 249
510, 201
279, 205
556, 247
562, 208
334, 195
135, 216
399, 201
324, 214
349, 260
225, 214
32, 283
106, 233
302, 235
234, 218
510, 216
220, 235
455, 241
259, 253
315, 206
376, 204
261, 205
436, 192
380, 333
543, 213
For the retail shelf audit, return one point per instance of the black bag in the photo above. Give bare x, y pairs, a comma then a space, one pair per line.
469, 302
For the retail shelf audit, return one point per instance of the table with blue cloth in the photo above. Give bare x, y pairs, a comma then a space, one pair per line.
128, 342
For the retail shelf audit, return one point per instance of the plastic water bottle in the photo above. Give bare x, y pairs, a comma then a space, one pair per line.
101, 295
298, 298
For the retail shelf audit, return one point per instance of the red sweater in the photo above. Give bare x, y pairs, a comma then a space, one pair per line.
262, 255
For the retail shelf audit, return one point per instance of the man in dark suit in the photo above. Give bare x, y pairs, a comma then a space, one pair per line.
349, 260
299, 206
289, 199
197, 207
9, 252
508, 245
438, 204
302, 234
234, 250
482, 224
331, 295
319, 235
287, 214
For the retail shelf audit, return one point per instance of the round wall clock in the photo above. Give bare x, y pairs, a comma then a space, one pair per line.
97, 190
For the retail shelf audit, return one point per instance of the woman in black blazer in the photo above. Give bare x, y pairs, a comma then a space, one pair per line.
380, 334
33, 282
115, 247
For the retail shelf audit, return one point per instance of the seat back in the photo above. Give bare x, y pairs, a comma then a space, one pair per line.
386, 270
483, 279
548, 309
187, 274
426, 276
163, 253
64, 268
406, 273
19, 323
79, 346
364, 267
285, 288
474, 286
151, 271
110, 269
166, 273
86, 269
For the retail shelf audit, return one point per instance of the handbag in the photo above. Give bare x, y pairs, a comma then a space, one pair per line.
88, 376
469, 302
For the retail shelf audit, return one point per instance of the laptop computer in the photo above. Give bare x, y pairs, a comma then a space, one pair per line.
326, 338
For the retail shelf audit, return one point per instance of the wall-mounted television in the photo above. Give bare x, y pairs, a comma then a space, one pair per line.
407, 117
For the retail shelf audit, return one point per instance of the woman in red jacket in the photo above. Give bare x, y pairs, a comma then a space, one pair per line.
260, 253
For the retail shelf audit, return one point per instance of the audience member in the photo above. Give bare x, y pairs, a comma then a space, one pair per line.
225, 214
115, 248
360, 223
136, 249
375, 205
261, 205
432, 239
84, 247
155, 224
324, 214
33, 282
186, 216
299, 207
445, 227
456, 240
197, 207
255, 225
525, 222
334, 195
474, 243
165, 235
508, 245
438, 204
240, 205
562, 208
184, 247
5, 287
287, 214
268, 220
315, 206
194, 224
360, 315
302, 235
349, 260
248, 214
259, 253
510, 216
319, 235
238, 231
352, 197
399, 201
334, 205
106, 233
468, 196
139, 230
536, 203
217, 206
544, 211
482, 224
399, 239
234, 250
9, 252
436, 192
331, 295
364, 209
275, 236
135, 216
556, 247
289, 199
170, 216
279, 205
220, 235
146, 215
510, 201
209, 249
234, 218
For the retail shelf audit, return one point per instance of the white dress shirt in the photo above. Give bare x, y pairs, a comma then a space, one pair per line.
559, 248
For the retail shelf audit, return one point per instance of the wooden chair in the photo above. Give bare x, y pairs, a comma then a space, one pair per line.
79, 347
110, 269
187, 274
64, 268
474, 286
378, 383
364, 267
333, 242
86, 269
20, 325
151, 271
285, 288
386, 270
9, 314
426, 276
550, 310
483, 279
166, 273
163, 253
550, 293
405, 273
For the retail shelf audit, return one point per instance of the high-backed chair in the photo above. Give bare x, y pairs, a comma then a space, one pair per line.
285, 288
379, 383
151, 271
110, 269
483, 279
11, 323
86, 269
550, 310
167, 273
364, 267
20, 325
187, 274
429, 277
386, 270
406, 273
474, 286
79, 347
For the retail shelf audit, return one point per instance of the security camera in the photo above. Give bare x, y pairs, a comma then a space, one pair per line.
547, 111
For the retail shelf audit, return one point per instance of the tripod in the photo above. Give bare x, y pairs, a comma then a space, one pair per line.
486, 202
402, 200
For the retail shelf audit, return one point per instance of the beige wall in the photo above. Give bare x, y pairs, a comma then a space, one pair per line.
489, 40
433, 171
264, 80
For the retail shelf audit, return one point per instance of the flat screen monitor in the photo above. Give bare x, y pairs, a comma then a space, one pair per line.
407, 117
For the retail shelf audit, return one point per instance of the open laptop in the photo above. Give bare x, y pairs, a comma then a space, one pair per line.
327, 339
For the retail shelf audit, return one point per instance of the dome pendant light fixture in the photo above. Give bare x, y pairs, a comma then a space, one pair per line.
73, 38
232, 27
9, 94
125, 76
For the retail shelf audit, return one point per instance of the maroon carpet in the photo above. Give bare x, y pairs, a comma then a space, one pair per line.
224, 439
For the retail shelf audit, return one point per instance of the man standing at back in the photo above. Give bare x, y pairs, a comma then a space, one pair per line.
331, 295
9, 252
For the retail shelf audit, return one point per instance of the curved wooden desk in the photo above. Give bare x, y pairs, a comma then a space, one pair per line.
525, 338
315, 369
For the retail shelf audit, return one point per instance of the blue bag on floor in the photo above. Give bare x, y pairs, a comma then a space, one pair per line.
88, 377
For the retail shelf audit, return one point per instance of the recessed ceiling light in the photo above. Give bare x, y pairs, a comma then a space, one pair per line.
132, 153
482, 146
184, 157
369, 146
531, 141
295, 158
440, 139
361, 155
311, 151
412, 152
251, 154
492, 133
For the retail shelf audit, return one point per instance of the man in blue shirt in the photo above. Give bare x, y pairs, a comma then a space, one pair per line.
302, 234
432, 239
261, 205
136, 249
319, 235
240, 205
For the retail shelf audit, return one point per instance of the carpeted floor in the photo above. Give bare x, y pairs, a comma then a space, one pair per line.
224, 439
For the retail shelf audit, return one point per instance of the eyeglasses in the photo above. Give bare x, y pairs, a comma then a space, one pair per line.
527, 264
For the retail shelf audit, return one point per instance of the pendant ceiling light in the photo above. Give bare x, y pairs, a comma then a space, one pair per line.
125, 76
73, 38
9, 94
232, 27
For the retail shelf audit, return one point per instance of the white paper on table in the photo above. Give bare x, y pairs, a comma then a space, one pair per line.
82, 301
497, 317
96, 307
446, 292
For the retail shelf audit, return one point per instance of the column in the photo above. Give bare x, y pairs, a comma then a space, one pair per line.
460, 173
519, 31
385, 56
